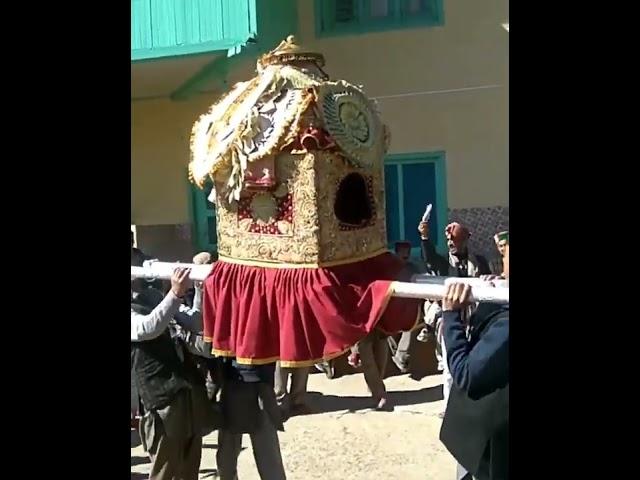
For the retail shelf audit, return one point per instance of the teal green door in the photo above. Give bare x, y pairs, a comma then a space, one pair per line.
204, 219
412, 181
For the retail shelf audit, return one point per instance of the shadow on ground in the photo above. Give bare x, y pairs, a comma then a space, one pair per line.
209, 473
332, 403
139, 461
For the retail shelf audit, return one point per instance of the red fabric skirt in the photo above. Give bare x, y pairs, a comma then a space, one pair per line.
301, 315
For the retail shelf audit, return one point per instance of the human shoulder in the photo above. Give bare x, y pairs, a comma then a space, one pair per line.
487, 316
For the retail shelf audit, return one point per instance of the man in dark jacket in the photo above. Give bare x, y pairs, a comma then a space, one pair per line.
476, 423
249, 406
138, 257
459, 262
502, 240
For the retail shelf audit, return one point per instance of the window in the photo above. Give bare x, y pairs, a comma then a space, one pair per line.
336, 17
412, 181
204, 219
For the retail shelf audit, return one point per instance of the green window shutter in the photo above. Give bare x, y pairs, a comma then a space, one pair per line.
204, 219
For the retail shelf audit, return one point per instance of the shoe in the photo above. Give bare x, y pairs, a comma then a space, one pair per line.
403, 366
384, 405
354, 360
300, 409
326, 368
423, 336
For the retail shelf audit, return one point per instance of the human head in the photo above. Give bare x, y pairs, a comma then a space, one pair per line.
403, 250
457, 238
502, 240
139, 284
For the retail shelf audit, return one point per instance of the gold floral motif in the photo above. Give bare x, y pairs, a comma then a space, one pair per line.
354, 121
351, 120
285, 228
265, 250
245, 224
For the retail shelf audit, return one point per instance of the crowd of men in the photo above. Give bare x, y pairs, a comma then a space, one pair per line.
180, 392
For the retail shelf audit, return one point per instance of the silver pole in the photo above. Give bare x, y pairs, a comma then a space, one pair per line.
423, 286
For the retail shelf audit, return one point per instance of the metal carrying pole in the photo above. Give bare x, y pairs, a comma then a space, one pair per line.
422, 286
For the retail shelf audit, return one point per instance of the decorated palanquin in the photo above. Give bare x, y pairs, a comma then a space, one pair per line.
296, 163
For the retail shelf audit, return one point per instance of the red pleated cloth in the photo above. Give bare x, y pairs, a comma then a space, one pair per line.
301, 315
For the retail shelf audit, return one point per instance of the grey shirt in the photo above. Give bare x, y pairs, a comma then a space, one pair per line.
148, 327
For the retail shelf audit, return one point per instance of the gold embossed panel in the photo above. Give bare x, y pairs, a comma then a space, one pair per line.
278, 226
340, 242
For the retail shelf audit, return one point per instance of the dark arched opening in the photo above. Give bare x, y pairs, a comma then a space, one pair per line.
352, 206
